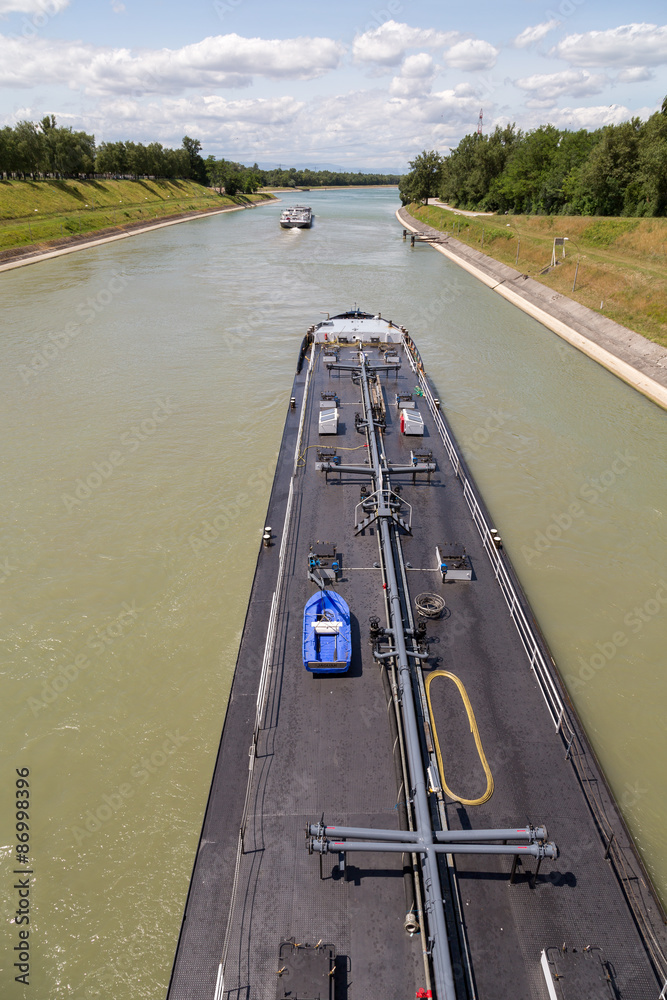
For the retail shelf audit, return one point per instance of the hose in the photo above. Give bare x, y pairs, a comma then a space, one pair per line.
473, 729
429, 605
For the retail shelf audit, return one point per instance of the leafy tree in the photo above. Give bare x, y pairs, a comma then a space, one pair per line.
7, 150
197, 164
652, 166
27, 148
424, 179
611, 169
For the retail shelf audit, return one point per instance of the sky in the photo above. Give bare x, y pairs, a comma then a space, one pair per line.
365, 84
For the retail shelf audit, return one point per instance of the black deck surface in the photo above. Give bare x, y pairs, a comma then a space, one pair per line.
325, 748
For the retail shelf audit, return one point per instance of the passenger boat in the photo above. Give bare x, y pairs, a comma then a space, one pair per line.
461, 840
327, 644
296, 217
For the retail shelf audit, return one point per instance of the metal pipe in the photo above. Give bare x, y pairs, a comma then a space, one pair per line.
366, 470
319, 831
321, 845
533, 834
442, 963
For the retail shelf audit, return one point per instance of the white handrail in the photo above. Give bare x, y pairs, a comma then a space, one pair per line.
538, 664
273, 615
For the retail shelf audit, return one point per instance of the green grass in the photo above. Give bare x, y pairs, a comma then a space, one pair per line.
622, 262
36, 212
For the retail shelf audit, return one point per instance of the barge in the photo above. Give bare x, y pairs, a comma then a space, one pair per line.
296, 217
432, 822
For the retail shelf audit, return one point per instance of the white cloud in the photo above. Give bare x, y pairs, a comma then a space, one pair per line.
591, 118
541, 102
387, 45
420, 65
45, 8
635, 74
365, 127
117, 7
472, 54
628, 45
529, 36
219, 61
280, 111
548, 87
449, 107
415, 77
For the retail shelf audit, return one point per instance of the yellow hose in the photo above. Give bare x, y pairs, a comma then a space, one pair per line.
473, 729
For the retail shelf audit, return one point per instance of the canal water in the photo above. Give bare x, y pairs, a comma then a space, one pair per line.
144, 386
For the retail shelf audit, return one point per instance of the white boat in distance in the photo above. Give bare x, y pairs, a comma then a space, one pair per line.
296, 217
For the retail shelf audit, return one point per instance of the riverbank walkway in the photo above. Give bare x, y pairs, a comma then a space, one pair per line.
638, 361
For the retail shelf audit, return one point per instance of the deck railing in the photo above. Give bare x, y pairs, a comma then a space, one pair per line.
527, 634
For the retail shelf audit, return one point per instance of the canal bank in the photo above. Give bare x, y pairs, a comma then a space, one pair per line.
70, 244
172, 532
633, 358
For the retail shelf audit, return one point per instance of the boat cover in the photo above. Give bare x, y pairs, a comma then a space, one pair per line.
327, 646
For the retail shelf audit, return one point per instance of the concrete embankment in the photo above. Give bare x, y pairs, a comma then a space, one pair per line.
32, 255
633, 358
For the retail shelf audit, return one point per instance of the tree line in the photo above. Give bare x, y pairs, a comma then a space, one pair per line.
613, 170
235, 177
45, 149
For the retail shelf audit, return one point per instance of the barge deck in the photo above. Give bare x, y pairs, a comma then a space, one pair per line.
305, 752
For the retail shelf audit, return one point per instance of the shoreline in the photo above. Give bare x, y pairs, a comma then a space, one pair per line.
628, 355
86, 242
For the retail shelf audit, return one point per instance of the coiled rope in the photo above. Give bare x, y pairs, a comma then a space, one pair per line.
429, 605
473, 729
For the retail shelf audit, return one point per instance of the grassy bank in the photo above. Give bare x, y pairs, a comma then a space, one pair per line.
622, 262
34, 212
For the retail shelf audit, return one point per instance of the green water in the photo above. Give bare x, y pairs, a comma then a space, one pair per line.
144, 386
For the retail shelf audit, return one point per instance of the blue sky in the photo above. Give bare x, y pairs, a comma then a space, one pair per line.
361, 84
